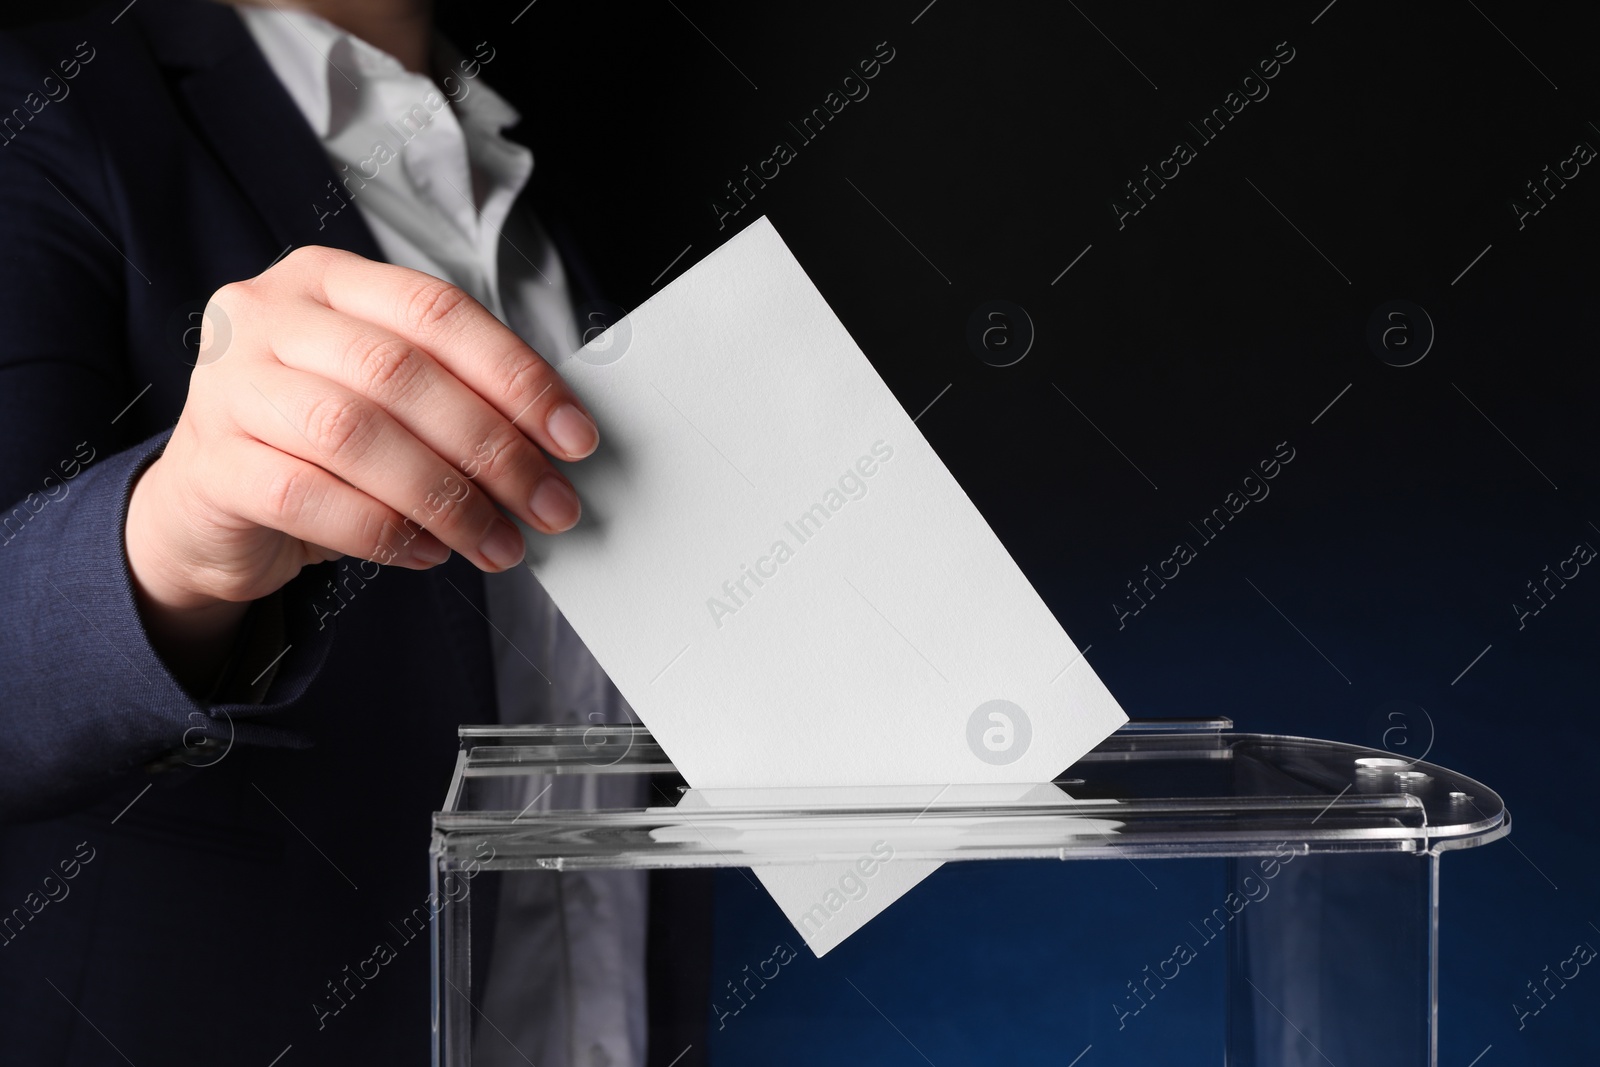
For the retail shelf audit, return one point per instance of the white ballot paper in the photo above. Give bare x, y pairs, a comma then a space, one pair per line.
781, 576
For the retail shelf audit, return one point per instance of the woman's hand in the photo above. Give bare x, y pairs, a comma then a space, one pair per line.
344, 407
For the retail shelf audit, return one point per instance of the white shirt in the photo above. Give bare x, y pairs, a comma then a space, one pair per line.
437, 184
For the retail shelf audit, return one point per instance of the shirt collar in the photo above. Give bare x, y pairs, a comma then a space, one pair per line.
476, 104
323, 66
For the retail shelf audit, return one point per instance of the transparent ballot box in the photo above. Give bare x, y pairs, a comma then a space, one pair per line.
1268, 902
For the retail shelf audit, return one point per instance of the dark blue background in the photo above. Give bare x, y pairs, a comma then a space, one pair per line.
1197, 338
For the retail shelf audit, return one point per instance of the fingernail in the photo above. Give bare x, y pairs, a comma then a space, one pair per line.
430, 552
503, 545
554, 503
574, 431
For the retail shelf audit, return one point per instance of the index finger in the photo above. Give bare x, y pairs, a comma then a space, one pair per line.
462, 336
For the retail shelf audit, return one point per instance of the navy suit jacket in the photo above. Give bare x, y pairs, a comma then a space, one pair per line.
180, 881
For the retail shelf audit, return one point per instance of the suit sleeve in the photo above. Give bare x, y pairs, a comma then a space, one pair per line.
86, 704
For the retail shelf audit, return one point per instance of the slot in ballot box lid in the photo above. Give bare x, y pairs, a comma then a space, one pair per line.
1155, 788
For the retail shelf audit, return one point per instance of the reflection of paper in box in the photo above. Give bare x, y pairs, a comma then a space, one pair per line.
868, 869
779, 573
